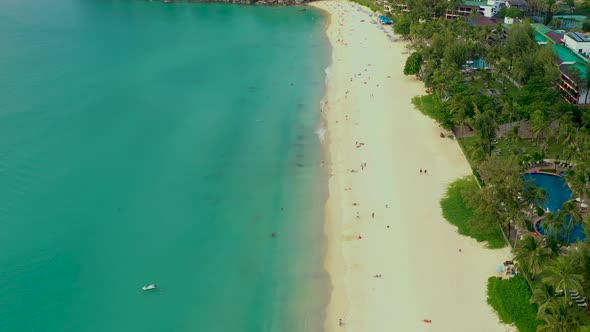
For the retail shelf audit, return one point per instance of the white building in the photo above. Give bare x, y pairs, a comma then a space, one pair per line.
578, 43
511, 20
487, 8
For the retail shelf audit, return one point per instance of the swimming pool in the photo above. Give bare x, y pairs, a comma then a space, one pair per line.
558, 193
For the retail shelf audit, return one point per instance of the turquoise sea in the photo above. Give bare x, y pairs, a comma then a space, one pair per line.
142, 142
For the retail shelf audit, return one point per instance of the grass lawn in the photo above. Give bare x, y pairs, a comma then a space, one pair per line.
510, 299
424, 105
456, 211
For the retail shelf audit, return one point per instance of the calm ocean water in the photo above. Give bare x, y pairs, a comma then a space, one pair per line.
149, 143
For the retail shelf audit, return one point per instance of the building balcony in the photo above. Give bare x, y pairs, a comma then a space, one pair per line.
569, 84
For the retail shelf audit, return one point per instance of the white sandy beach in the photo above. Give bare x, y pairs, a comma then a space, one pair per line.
407, 242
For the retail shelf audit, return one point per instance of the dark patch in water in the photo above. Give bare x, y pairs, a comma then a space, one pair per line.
211, 199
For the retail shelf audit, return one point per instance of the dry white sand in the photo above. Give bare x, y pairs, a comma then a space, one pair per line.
407, 242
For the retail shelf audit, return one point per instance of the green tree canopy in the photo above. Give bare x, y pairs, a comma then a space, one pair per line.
513, 13
413, 64
532, 253
402, 25
501, 195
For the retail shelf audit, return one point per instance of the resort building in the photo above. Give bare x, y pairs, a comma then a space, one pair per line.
487, 8
511, 20
570, 90
570, 60
578, 43
518, 4
462, 10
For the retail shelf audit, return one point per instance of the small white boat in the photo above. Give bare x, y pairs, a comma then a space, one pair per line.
149, 287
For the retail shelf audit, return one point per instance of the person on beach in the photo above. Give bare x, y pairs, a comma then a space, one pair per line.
373, 215
340, 322
420, 170
425, 172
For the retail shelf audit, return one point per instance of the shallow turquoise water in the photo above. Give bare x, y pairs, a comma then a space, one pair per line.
149, 143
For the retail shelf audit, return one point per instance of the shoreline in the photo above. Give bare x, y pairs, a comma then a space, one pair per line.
375, 212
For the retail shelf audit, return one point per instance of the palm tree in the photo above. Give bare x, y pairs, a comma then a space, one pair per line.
552, 226
485, 125
568, 226
571, 209
582, 254
533, 197
543, 295
558, 317
556, 224
578, 182
570, 152
460, 111
562, 274
521, 70
532, 253
539, 124
510, 109
586, 223
566, 130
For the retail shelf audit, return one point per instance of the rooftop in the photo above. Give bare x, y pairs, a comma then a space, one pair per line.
558, 38
540, 38
568, 59
566, 55
540, 28
580, 38
482, 21
566, 69
477, 3
517, 2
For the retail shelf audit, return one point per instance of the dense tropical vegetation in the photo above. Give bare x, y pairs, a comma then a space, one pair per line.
510, 300
496, 88
458, 212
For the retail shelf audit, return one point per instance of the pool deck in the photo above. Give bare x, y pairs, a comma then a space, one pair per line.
546, 165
